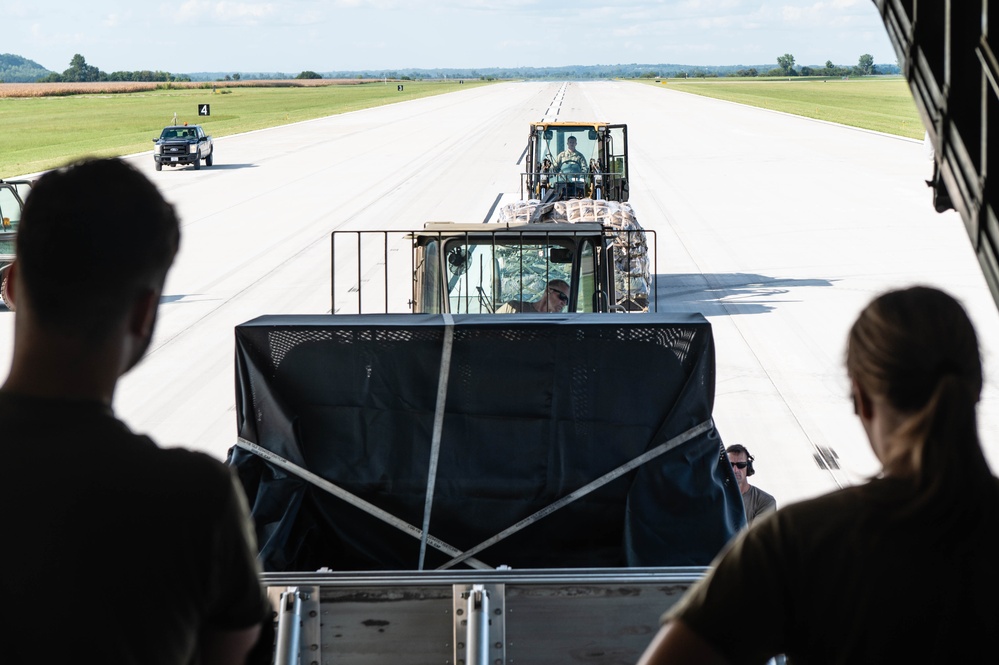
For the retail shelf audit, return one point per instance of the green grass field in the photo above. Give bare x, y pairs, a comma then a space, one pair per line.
38, 133
879, 104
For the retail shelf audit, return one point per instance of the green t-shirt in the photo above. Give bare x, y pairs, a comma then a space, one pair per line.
838, 579
116, 550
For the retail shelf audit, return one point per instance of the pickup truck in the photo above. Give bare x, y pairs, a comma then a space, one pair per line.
183, 144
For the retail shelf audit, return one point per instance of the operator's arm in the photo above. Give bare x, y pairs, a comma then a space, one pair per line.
241, 614
677, 643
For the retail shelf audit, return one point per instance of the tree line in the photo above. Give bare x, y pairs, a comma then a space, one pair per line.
785, 67
80, 71
17, 69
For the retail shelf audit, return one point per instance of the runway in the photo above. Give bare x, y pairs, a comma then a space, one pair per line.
777, 228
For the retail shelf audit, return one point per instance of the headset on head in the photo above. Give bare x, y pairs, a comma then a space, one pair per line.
739, 448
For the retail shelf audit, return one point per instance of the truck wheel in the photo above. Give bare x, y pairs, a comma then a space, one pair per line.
5, 294
210, 158
197, 162
159, 167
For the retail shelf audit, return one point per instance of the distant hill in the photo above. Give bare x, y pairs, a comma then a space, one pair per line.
15, 69
557, 73
256, 76
579, 72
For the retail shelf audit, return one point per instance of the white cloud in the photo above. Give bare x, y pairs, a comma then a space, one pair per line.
834, 13
378, 5
15, 10
116, 20
240, 11
377, 34
223, 13
698, 7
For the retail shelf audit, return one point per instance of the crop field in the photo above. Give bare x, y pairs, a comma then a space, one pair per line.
40, 132
116, 87
878, 104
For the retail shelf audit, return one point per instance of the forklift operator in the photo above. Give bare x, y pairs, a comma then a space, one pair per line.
570, 160
553, 300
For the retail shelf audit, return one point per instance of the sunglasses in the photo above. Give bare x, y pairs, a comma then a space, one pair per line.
561, 296
740, 465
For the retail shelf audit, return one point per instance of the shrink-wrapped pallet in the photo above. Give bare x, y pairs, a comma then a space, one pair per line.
519, 212
632, 279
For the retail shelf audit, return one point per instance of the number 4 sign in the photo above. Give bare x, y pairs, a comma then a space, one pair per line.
204, 109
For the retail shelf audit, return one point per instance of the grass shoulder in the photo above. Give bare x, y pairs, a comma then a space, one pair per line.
882, 104
43, 132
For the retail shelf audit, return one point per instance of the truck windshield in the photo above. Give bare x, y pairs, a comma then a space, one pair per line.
10, 209
555, 146
10, 216
482, 276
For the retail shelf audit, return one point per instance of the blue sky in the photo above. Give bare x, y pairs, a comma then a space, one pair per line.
294, 35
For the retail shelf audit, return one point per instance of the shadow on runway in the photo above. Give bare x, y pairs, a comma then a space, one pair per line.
229, 167
727, 294
183, 168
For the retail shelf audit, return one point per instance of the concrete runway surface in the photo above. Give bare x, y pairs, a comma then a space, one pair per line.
779, 229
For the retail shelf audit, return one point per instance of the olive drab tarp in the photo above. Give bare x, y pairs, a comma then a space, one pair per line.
531, 441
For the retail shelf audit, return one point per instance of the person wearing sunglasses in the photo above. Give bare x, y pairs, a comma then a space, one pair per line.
754, 500
554, 299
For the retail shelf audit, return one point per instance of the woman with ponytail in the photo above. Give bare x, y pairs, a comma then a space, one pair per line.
900, 569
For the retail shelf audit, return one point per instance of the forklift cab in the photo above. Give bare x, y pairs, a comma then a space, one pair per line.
468, 271
575, 161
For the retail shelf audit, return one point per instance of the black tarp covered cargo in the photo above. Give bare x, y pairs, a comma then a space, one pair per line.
339, 414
